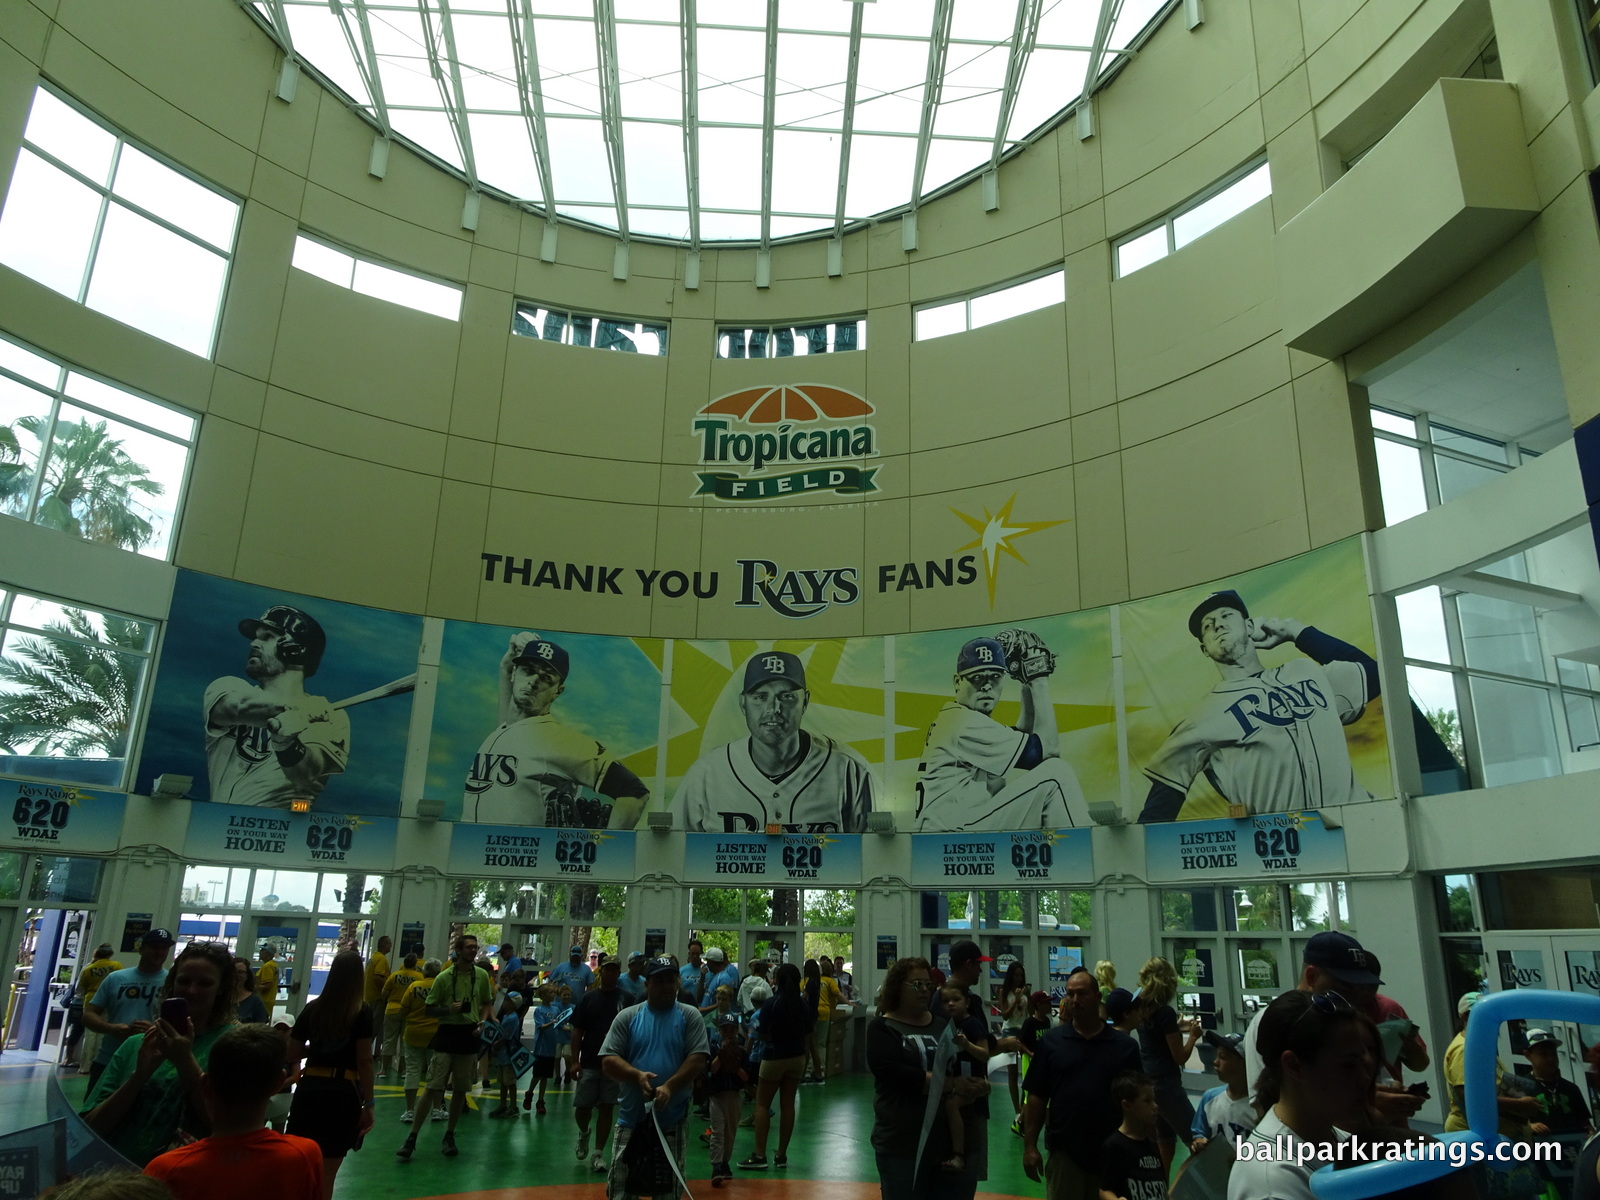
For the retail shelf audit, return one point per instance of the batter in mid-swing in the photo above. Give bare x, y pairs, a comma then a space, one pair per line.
781, 774
976, 773
533, 770
1270, 739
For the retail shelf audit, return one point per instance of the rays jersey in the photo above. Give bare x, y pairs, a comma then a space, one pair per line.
537, 771
245, 769
1273, 742
827, 791
961, 779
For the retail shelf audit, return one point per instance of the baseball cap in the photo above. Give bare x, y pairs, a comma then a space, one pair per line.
1228, 1041
153, 936
981, 654
657, 965
303, 640
727, 1019
515, 999
545, 654
1224, 599
964, 952
578, 950
1467, 1001
716, 954
1341, 956
636, 955
1118, 1002
104, 950
610, 960
773, 664
1541, 1037
1038, 998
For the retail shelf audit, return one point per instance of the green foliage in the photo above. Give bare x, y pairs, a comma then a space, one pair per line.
90, 487
67, 698
830, 907
1446, 723
715, 906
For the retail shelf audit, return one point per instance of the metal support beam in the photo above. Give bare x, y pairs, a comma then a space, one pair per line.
848, 123
1103, 26
530, 94
938, 53
365, 57
605, 46
769, 108
691, 127
1023, 36
443, 61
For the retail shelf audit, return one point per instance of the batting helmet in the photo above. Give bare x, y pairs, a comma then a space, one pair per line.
300, 639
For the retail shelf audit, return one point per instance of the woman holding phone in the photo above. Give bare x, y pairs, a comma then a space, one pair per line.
151, 1088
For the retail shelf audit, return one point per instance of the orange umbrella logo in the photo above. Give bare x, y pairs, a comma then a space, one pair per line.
790, 402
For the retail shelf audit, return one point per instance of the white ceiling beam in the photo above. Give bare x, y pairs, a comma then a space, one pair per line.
1104, 24
769, 108
365, 56
605, 45
691, 124
848, 124
444, 62
933, 85
530, 94
1023, 36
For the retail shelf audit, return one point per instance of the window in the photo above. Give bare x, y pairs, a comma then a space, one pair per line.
374, 279
1189, 221
785, 341
1423, 463
97, 218
71, 680
626, 334
1589, 21
89, 458
985, 308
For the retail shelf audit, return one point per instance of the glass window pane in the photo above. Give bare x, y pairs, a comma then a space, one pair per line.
154, 280
1422, 631
48, 224
400, 288
10, 875
1400, 480
209, 889
1258, 969
1141, 251
1453, 897
715, 906
64, 880
24, 362
175, 197
58, 128
125, 404
1394, 422
1583, 722
1257, 906
123, 633
1023, 298
324, 262
1498, 635
1467, 443
1457, 478
1225, 205
284, 891
356, 892
1195, 909
941, 320
62, 699
1308, 907
108, 482
24, 426
652, 339
1516, 732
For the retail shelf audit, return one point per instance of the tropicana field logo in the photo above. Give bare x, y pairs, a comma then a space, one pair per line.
810, 426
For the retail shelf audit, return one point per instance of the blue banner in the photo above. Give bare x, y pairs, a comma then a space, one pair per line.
596, 855
56, 818
1280, 844
285, 841
1042, 858
782, 860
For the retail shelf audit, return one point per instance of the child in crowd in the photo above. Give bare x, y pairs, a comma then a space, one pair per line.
1224, 1111
247, 1066
1037, 1022
953, 1003
725, 1000
1120, 1011
568, 1072
545, 1017
1565, 1110
505, 1050
725, 1076
1130, 1160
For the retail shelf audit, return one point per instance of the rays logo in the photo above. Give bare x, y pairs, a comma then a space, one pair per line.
802, 593
767, 427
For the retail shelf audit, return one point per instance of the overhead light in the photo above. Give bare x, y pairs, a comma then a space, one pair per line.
171, 787
881, 823
1107, 812
429, 810
658, 822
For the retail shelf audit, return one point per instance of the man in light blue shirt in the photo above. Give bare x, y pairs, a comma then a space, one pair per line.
719, 972
632, 983
574, 973
125, 1003
693, 971
655, 1051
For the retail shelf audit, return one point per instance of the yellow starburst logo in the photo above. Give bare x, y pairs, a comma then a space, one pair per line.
995, 534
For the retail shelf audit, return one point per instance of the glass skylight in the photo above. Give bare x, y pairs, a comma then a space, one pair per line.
802, 117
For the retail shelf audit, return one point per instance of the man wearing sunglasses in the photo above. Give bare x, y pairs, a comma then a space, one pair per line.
977, 774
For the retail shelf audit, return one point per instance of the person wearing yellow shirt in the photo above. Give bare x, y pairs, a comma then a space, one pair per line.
417, 1028
377, 976
393, 1021
267, 978
88, 983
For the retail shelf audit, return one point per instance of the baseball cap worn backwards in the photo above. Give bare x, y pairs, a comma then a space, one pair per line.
657, 966
1341, 956
773, 664
716, 954
540, 653
964, 952
1232, 1041
981, 654
1224, 599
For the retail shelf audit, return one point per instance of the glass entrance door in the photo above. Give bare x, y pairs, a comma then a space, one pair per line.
1562, 962
291, 941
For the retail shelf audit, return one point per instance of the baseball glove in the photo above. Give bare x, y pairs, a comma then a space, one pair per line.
1027, 657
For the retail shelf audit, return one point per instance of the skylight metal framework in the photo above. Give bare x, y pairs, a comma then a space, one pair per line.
744, 121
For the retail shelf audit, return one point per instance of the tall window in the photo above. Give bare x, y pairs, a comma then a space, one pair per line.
1423, 463
71, 681
87, 458
1175, 230
106, 223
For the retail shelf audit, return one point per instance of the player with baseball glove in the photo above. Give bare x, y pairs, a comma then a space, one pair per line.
1027, 657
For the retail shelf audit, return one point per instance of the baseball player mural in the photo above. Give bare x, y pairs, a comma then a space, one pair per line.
1269, 739
535, 770
782, 774
977, 774
268, 741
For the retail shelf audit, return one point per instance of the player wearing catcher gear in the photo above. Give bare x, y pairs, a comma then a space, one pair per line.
267, 741
781, 773
961, 780
1270, 739
533, 770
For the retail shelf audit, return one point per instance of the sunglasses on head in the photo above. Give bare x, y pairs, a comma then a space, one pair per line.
1328, 1004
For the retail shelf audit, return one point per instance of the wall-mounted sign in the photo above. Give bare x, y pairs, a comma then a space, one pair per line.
56, 819
1294, 844
790, 860
1041, 858
888, 950
281, 840
776, 443
583, 855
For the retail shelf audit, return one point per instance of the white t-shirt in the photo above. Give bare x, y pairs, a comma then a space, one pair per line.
1280, 1176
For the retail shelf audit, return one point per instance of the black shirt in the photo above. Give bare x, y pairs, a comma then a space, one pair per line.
1154, 1052
1073, 1073
1566, 1111
333, 1052
1132, 1169
899, 1057
1032, 1030
593, 1014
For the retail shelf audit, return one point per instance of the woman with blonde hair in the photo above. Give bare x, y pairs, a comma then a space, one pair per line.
1165, 1044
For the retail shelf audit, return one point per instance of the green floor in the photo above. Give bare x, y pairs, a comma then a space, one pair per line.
506, 1158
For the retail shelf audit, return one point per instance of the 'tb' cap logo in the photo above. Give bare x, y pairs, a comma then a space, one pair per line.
980, 654
775, 664
985, 654
544, 650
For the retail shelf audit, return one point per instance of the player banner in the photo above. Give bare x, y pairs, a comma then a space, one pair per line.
270, 699
589, 855
233, 833
785, 860
1034, 858
1280, 845
57, 819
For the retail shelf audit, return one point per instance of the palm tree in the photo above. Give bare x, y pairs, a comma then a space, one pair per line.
69, 698
90, 487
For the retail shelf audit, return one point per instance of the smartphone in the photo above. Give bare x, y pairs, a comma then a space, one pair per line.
1418, 1089
175, 1012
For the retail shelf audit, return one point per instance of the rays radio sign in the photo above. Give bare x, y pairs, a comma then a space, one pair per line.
773, 443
